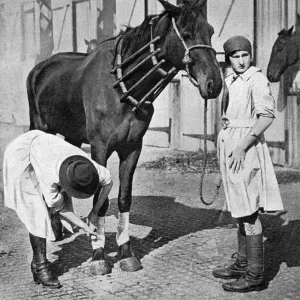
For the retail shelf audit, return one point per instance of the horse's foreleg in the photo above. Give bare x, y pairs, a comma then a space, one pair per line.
99, 265
129, 156
100, 155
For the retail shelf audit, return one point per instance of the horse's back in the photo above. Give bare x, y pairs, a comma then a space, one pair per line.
53, 88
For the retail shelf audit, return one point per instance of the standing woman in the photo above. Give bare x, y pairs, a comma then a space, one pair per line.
247, 171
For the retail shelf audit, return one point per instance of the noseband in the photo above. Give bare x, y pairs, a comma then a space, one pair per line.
187, 58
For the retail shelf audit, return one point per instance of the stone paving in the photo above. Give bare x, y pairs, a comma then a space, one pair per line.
177, 239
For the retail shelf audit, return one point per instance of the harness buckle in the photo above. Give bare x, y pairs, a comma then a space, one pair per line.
225, 123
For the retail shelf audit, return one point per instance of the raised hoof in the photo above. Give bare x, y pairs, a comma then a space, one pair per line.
100, 267
130, 264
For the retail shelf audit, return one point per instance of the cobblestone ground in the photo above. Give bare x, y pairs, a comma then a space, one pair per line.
178, 240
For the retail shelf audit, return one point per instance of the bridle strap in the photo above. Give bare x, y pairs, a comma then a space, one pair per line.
187, 58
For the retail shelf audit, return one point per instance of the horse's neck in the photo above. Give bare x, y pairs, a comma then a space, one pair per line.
296, 40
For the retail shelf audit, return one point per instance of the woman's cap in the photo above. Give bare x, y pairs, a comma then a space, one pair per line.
237, 43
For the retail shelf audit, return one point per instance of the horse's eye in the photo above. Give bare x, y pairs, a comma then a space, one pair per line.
279, 47
186, 35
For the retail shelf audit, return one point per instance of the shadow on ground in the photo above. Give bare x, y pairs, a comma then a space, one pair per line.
282, 244
170, 220
287, 176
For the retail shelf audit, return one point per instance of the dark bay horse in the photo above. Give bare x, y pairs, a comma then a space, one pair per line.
72, 94
285, 53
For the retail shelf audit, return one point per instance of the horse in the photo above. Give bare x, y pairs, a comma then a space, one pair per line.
91, 45
285, 53
105, 98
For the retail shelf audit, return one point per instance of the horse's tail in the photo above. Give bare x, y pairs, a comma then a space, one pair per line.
36, 121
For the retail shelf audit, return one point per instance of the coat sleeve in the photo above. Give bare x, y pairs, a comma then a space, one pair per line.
104, 175
53, 197
263, 101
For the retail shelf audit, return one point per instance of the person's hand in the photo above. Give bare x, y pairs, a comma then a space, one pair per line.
92, 220
225, 122
237, 158
90, 231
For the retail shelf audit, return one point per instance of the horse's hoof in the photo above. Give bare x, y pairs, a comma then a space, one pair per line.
130, 264
100, 267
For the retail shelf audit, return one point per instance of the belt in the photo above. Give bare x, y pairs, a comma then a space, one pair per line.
238, 123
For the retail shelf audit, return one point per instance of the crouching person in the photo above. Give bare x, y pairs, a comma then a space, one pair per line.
248, 175
41, 172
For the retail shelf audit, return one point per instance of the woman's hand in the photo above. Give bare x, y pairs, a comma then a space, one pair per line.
89, 231
237, 158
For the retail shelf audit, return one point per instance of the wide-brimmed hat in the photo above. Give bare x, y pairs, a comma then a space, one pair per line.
78, 177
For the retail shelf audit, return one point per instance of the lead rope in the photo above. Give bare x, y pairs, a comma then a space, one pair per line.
219, 182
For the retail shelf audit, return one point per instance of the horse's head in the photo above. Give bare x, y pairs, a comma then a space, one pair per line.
92, 45
284, 54
196, 34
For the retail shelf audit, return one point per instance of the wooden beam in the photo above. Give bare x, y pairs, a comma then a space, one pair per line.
74, 26
146, 7
37, 26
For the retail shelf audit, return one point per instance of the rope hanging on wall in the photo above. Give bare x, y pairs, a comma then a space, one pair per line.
62, 28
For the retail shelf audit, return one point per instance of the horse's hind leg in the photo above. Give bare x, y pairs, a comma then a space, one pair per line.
129, 155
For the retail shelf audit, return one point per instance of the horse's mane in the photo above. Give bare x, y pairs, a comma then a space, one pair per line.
139, 35
140, 28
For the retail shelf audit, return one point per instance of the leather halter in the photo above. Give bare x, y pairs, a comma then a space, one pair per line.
187, 58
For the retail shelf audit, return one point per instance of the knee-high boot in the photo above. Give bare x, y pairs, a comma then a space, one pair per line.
57, 226
239, 267
253, 279
39, 264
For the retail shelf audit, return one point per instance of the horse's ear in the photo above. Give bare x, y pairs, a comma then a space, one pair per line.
201, 3
290, 31
86, 41
170, 8
298, 19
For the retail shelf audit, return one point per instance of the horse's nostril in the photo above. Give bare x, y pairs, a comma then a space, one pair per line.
210, 85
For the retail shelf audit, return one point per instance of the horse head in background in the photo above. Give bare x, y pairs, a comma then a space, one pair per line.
100, 98
285, 52
92, 45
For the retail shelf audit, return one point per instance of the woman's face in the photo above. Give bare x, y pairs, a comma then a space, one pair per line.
240, 61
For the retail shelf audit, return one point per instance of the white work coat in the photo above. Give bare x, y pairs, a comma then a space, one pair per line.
31, 178
256, 185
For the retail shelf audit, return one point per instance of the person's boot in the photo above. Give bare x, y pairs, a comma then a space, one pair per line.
39, 265
239, 267
57, 227
253, 279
